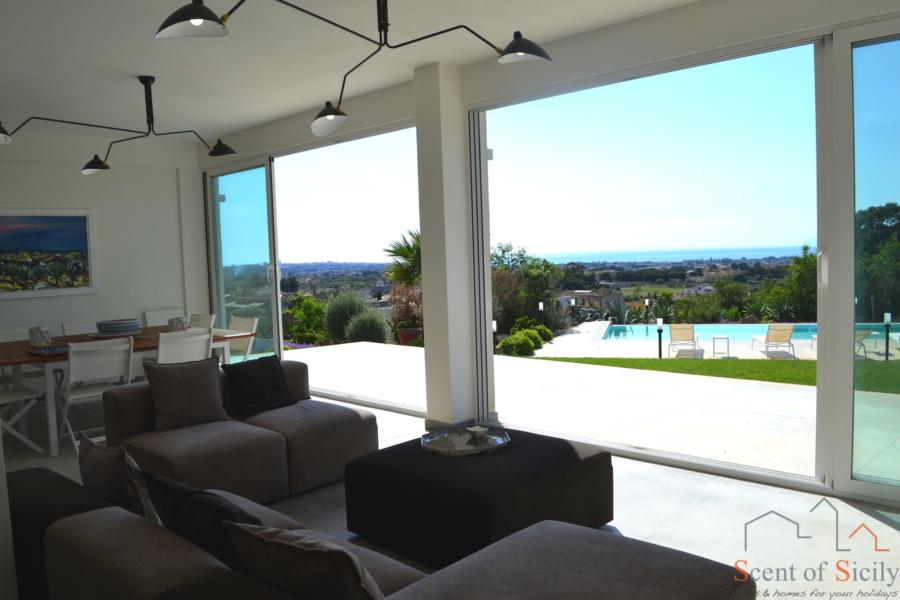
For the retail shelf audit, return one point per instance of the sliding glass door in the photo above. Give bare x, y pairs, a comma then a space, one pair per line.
244, 277
867, 60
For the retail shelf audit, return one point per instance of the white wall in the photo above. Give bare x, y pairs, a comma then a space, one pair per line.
148, 215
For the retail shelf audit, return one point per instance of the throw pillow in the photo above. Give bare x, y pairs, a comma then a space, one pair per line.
197, 516
256, 386
185, 393
113, 474
302, 566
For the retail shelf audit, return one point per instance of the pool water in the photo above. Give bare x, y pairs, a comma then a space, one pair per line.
733, 331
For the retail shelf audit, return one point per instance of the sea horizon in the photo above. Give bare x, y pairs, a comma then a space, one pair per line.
674, 255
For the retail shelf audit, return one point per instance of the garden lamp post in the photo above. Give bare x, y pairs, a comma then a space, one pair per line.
887, 336
646, 315
659, 329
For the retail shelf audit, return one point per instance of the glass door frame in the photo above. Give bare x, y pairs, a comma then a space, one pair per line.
843, 258
212, 232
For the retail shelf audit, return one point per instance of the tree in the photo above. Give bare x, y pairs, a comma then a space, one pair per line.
340, 311
800, 286
406, 266
308, 316
730, 294
575, 277
520, 282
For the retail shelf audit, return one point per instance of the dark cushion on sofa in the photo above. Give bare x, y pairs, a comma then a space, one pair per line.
256, 386
321, 439
302, 566
114, 475
230, 455
185, 393
38, 497
553, 560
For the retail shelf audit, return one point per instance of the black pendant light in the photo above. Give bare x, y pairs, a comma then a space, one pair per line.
331, 118
221, 149
95, 165
192, 20
328, 121
521, 49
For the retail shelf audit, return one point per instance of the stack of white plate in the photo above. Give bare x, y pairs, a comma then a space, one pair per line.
118, 327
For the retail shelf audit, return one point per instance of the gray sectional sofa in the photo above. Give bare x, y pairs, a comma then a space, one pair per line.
107, 553
271, 455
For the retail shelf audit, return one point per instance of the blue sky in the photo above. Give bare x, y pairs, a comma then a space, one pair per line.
716, 156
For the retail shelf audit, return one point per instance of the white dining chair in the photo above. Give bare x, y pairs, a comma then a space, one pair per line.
184, 346
78, 327
156, 317
23, 399
6, 377
93, 368
201, 321
242, 345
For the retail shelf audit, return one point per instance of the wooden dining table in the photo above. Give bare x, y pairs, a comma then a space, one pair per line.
19, 353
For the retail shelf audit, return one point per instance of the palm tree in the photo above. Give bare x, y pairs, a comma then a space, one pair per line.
406, 267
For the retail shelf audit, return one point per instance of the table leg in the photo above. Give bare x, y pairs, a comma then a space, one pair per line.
50, 399
18, 384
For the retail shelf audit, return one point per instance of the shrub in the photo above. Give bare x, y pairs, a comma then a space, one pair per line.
544, 331
534, 336
307, 323
340, 311
523, 323
367, 326
518, 344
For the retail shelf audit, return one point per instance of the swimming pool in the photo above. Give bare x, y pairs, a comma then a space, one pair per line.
733, 331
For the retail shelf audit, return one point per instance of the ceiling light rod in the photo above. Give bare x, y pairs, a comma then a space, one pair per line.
96, 164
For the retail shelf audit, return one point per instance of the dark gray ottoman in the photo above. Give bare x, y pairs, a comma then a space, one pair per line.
438, 509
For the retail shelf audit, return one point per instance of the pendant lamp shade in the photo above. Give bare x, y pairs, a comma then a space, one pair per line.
94, 165
5, 138
222, 149
192, 20
328, 121
521, 49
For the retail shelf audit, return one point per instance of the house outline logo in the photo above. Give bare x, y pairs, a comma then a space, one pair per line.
837, 546
777, 514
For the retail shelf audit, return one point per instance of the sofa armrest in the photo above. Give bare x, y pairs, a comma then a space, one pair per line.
296, 374
128, 411
38, 497
112, 554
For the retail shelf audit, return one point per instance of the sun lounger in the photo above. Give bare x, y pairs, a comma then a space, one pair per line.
778, 337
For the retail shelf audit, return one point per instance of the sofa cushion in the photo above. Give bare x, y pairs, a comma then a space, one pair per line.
185, 393
321, 439
230, 455
266, 515
390, 575
112, 474
256, 386
302, 566
553, 560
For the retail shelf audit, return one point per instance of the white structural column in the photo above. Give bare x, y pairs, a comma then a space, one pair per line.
447, 272
7, 561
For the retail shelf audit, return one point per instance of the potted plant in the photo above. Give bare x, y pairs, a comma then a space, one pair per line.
405, 271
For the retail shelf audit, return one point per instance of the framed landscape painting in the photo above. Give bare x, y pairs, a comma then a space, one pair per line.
46, 253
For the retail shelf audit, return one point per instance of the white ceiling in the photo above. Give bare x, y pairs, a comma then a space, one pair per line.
77, 59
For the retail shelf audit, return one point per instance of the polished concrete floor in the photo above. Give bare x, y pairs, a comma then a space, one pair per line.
703, 514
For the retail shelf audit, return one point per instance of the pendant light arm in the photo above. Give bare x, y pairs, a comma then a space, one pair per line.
198, 136
321, 18
358, 65
79, 123
112, 143
442, 32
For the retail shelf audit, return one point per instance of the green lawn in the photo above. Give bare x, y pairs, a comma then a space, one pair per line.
871, 375
801, 372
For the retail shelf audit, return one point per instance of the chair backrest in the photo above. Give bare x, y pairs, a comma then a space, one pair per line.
861, 335
184, 346
78, 328
100, 361
242, 345
160, 316
203, 321
13, 335
779, 332
681, 332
